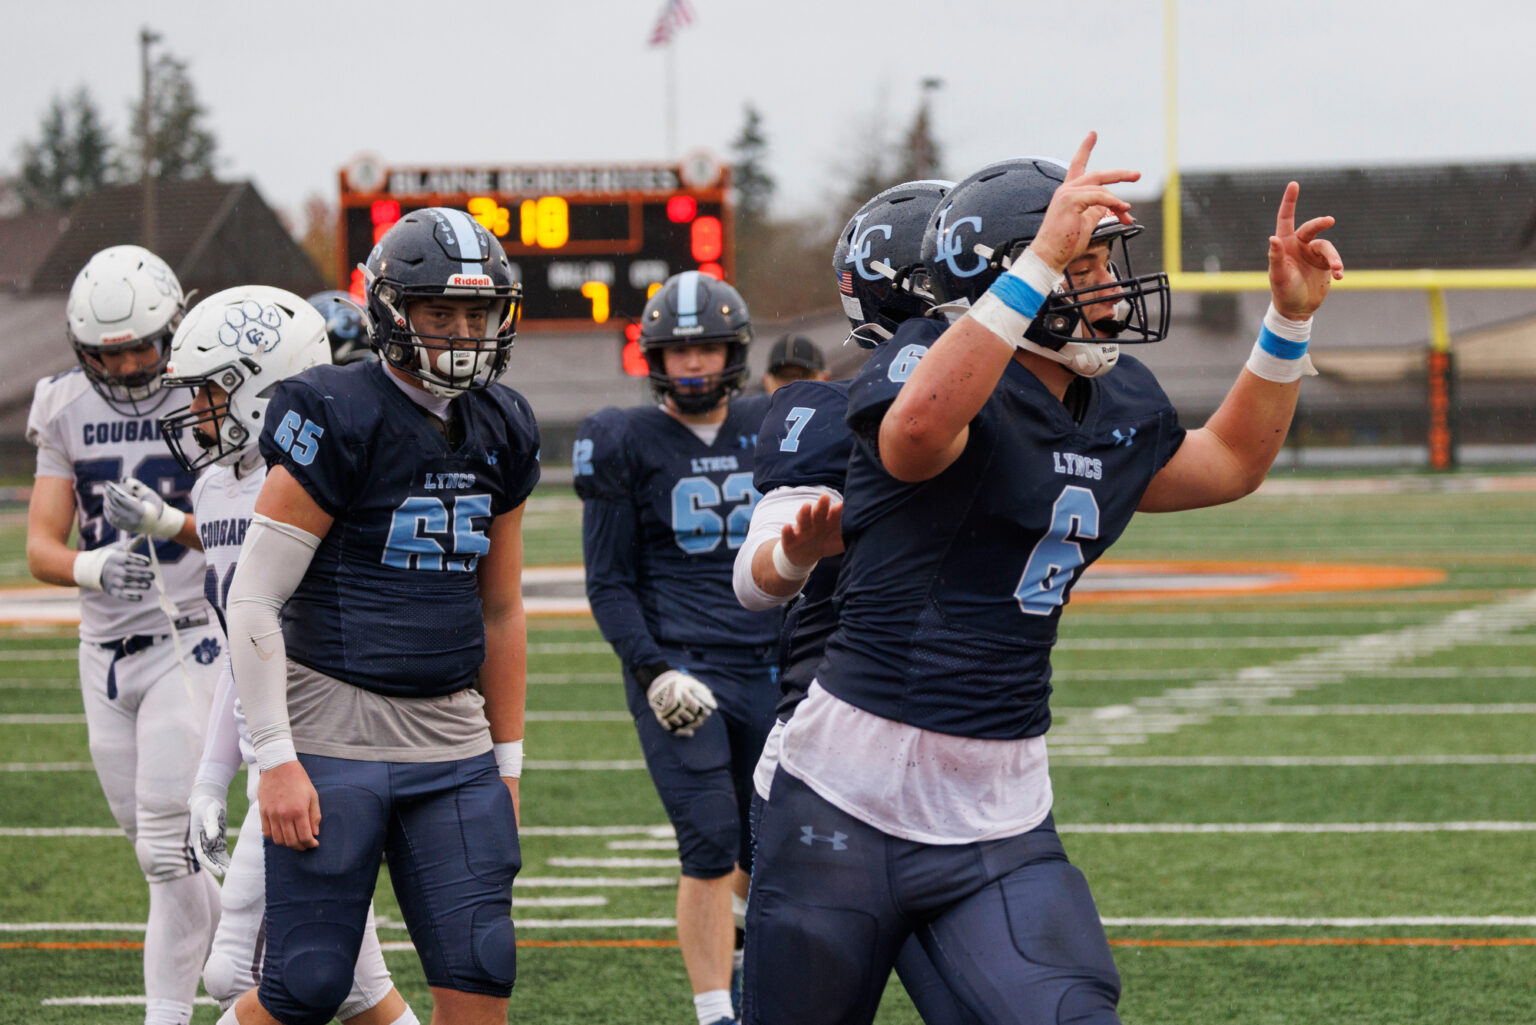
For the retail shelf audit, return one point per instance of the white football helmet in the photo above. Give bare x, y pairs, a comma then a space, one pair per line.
242, 342
124, 297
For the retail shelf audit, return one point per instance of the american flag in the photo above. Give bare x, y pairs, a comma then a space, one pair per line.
845, 282
676, 15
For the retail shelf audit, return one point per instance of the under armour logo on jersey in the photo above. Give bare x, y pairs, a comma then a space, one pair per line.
251, 327
746, 440
859, 249
490, 456
809, 836
1124, 439
206, 651
949, 245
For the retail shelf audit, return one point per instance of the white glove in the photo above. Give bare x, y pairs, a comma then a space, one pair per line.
208, 826
680, 701
136, 508
121, 573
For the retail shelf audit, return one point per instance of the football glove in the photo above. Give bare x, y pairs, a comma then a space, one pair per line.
123, 574
208, 826
136, 508
680, 701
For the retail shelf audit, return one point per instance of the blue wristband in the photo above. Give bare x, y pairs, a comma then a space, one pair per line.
1017, 295
1280, 348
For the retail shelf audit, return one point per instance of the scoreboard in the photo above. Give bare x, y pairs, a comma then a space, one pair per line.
588, 242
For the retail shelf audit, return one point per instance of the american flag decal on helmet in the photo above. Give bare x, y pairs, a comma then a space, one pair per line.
845, 282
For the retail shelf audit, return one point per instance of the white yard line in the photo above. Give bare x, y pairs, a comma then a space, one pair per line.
612, 862
1483, 627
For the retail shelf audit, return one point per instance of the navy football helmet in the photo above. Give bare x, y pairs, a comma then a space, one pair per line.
344, 326
988, 220
688, 309
881, 277
434, 253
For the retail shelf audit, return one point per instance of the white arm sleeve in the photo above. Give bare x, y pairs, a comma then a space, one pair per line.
221, 748
773, 512
273, 560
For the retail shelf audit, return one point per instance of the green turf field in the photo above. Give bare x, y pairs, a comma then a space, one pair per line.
1292, 807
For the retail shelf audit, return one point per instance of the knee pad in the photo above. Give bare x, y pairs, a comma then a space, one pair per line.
1090, 1003
494, 943
315, 976
163, 858
709, 842
225, 980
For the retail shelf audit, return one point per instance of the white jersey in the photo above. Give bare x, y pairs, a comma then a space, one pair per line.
80, 437
221, 504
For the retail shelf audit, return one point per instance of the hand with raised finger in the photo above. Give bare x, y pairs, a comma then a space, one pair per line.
118, 572
1302, 266
1078, 205
136, 508
209, 834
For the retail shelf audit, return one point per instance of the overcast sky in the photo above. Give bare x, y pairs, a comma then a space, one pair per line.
294, 89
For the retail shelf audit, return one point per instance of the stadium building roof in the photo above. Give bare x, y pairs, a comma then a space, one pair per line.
1434, 216
213, 235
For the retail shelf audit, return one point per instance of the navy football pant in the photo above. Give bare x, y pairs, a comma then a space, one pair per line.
705, 781
935, 1004
1009, 924
449, 832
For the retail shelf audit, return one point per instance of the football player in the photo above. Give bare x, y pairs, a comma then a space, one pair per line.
378, 638
666, 498
793, 358
794, 545
912, 794
229, 351
147, 675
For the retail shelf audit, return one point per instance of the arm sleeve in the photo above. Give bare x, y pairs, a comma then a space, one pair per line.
273, 561
221, 748
773, 512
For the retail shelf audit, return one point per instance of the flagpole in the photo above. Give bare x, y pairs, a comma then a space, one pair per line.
671, 98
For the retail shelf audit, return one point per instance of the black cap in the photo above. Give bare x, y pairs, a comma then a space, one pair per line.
795, 351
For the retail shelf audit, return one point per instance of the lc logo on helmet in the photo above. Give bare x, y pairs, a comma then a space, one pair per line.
949, 245
862, 246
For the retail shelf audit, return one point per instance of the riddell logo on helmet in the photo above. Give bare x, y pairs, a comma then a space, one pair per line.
470, 280
121, 336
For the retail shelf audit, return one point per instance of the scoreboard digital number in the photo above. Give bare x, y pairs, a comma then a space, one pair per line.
589, 243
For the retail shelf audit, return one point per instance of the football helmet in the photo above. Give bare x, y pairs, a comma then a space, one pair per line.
244, 341
124, 297
432, 253
878, 262
987, 221
343, 325
688, 309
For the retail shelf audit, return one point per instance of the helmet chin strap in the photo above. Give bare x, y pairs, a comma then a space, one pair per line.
1085, 359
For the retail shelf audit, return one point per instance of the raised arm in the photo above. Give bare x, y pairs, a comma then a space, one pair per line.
1230, 456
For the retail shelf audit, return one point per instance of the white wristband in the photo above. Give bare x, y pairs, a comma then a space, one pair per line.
1010, 305
277, 751
168, 523
787, 569
1280, 354
87, 568
509, 758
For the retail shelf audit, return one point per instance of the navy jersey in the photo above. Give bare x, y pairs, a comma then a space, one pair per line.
804, 442
952, 587
390, 601
662, 516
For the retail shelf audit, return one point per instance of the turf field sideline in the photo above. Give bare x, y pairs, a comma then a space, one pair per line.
1292, 806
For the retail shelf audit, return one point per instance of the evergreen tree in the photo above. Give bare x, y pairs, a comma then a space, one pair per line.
71, 156
179, 144
754, 185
